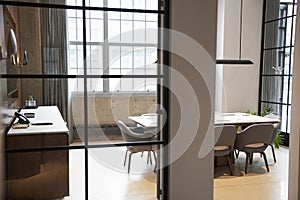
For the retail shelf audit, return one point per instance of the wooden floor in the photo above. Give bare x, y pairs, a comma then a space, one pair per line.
108, 179
257, 184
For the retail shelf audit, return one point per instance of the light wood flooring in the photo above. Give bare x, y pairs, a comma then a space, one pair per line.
258, 183
108, 179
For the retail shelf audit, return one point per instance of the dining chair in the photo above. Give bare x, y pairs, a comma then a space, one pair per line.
275, 126
136, 134
254, 139
225, 136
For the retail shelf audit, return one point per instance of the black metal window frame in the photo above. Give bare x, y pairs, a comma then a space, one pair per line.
163, 92
281, 48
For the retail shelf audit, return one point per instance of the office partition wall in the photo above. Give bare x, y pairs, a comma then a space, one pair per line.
96, 61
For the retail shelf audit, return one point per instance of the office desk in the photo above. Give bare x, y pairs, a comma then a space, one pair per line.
46, 171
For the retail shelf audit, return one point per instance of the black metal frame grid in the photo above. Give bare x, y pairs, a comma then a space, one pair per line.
164, 93
289, 46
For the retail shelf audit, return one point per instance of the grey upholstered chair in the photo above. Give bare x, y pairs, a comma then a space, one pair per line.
276, 126
134, 135
225, 136
254, 139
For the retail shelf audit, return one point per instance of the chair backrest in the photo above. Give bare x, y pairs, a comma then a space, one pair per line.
275, 126
256, 133
130, 136
225, 135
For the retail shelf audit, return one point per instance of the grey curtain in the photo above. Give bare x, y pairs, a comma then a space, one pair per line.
271, 84
54, 56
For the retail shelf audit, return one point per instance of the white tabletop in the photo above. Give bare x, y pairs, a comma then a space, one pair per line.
239, 118
42, 114
148, 121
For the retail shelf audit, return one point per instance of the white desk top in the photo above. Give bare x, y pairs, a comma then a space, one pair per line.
42, 114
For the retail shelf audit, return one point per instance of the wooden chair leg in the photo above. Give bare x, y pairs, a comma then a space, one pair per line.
142, 154
266, 162
237, 152
247, 160
125, 158
230, 165
129, 162
251, 158
155, 159
273, 151
149, 158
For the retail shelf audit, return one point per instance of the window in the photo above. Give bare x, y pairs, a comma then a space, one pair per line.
277, 63
117, 44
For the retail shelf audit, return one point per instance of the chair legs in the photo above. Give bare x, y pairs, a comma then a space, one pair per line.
149, 158
266, 162
251, 159
247, 160
230, 165
129, 161
125, 158
273, 153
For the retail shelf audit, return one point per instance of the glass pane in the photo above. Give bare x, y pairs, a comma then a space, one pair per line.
287, 61
139, 57
75, 59
272, 108
50, 44
151, 58
139, 32
107, 170
273, 61
114, 30
94, 60
45, 174
289, 31
274, 10
284, 119
127, 16
94, 3
275, 35
126, 58
126, 31
272, 88
94, 29
114, 57
289, 120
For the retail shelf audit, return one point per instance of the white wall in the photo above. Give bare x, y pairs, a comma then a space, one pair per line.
241, 82
294, 156
191, 177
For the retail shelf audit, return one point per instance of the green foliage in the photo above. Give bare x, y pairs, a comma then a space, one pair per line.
266, 110
252, 113
278, 140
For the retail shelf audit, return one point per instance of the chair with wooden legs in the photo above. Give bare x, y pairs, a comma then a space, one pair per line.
135, 135
254, 139
225, 136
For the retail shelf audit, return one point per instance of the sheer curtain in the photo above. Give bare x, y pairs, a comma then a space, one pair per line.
54, 56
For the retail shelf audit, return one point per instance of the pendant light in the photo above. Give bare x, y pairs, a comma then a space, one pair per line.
235, 61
